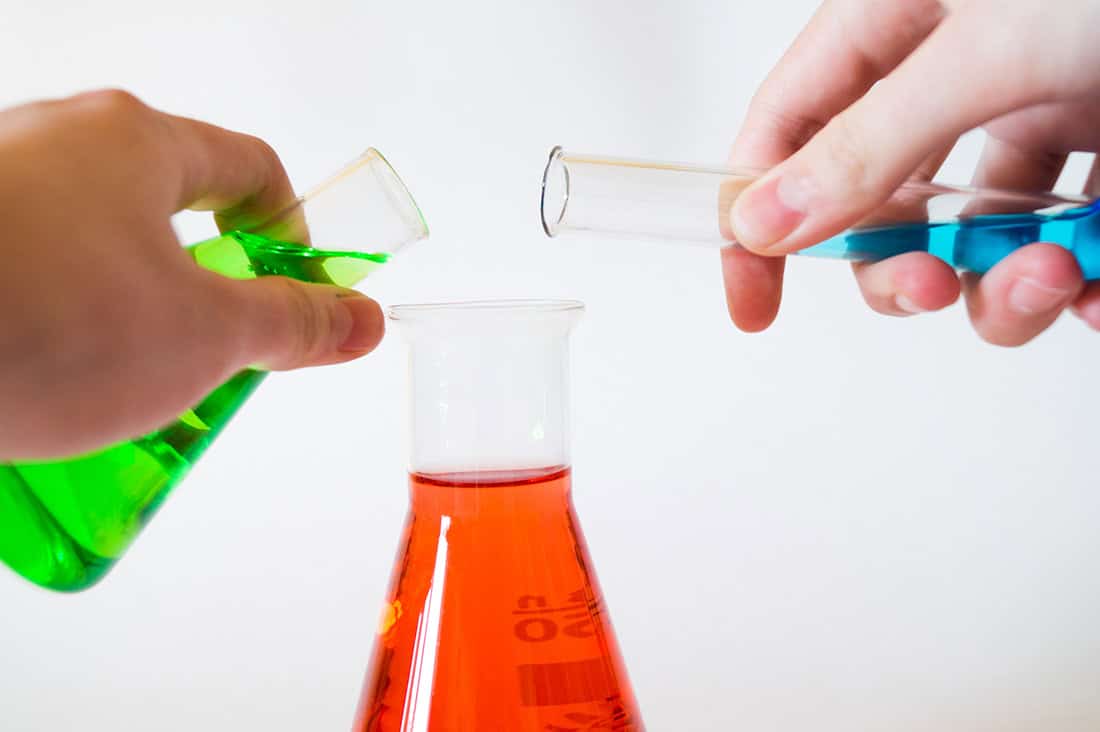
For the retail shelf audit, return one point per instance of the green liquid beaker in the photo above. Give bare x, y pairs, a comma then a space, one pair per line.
64, 523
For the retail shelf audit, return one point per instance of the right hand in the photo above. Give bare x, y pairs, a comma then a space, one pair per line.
874, 93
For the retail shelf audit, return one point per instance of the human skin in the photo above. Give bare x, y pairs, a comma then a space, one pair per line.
873, 93
108, 329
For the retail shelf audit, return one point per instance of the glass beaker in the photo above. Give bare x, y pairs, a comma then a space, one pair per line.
64, 523
494, 618
969, 228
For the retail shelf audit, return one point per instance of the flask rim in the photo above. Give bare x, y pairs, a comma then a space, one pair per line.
515, 305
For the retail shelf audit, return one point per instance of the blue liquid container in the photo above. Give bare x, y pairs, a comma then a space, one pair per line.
969, 228
975, 243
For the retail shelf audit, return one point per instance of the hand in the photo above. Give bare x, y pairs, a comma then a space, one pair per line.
108, 329
873, 93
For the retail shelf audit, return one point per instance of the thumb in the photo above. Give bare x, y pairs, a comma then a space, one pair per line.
864, 153
281, 323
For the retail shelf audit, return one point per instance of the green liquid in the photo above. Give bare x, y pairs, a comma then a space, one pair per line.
63, 524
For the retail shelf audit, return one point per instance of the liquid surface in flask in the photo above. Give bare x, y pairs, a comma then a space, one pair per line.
64, 523
495, 619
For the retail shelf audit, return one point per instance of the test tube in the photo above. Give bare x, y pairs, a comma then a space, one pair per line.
969, 228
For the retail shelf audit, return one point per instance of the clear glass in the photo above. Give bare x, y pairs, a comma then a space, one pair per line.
969, 228
494, 619
365, 207
64, 523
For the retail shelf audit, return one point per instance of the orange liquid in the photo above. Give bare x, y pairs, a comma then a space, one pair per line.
495, 620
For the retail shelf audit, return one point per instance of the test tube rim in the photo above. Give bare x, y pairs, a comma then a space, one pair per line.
556, 155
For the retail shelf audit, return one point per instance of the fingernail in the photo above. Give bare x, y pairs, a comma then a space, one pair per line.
908, 306
764, 214
367, 323
1030, 297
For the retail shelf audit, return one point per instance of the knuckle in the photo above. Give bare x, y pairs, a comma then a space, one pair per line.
264, 163
119, 116
264, 149
309, 323
898, 25
996, 331
883, 304
847, 154
874, 288
114, 104
792, 128
267, 158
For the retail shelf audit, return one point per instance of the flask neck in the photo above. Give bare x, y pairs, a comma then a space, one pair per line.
365, 207
489, 384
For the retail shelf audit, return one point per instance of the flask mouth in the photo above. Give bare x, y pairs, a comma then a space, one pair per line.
364, 207
399, 196
485, 321
519, 306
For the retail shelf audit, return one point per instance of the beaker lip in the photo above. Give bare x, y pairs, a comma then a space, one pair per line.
516, 305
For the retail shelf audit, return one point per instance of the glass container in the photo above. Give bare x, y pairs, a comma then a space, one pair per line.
969, 228
494, 619
64, 523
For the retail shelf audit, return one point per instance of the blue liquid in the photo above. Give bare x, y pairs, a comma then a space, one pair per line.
975, 243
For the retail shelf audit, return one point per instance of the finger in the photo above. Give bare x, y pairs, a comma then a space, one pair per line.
273, 322
830, 69
845, 48
908, 208
907, 284
1023, 295
754, 283
238, 176
753, 288
931, 165
1012, 166
1087, 305
1032, 162
277, 323
1062, 126
191, 164
915, 282
861, 156
1092, 182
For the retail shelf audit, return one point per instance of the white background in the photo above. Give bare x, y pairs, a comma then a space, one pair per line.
847, 523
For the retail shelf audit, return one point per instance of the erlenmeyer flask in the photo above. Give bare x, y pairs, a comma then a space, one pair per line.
64, 523
494, 618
